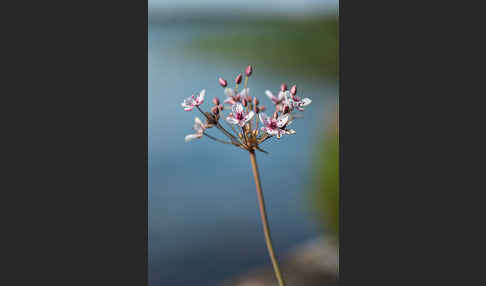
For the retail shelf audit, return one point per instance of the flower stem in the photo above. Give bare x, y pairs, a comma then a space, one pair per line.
217, 140
263, 214
224, 131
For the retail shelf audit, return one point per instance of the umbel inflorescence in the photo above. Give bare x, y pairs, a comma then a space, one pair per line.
246, 114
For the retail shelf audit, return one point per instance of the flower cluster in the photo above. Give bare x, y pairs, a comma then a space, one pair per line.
241, 120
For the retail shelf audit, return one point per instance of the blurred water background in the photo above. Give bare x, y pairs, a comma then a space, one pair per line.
204, 224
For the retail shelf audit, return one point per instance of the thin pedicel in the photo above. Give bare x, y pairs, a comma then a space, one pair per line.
243, 108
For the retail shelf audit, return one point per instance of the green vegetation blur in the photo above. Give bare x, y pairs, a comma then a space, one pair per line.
308, 46
325, 197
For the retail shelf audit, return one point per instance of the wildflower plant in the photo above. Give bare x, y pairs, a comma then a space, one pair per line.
244, 115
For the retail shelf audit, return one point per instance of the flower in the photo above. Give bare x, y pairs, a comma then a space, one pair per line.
297, 102
233, 98
276, 99
199, 128
192, 101
239, 115
292, 101
275, 127
301, 103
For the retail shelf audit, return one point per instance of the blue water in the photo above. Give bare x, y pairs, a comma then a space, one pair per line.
203, 216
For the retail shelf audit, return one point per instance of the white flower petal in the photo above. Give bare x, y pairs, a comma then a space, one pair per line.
229, 92
291, 119
229, 100
249, 116
188, 108
198, 121
270, 95
198, 125
200, 98
263, 117
290, 131
244, 93
190, 137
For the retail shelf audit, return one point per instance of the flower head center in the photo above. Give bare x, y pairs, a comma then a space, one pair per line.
273, 124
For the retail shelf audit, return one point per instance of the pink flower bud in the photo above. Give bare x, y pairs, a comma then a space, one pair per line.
238, 79
222, 82
248, 70
293, 90
215, 109
286, 109
275, 115
261, 108
255, 101
215, 101
283, 87
244, 102
220, 107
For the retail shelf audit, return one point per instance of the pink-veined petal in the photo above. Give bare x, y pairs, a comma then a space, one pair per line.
188, 108
270, 131
232, 120
237, 108
188, 102
282, 120
306, 101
